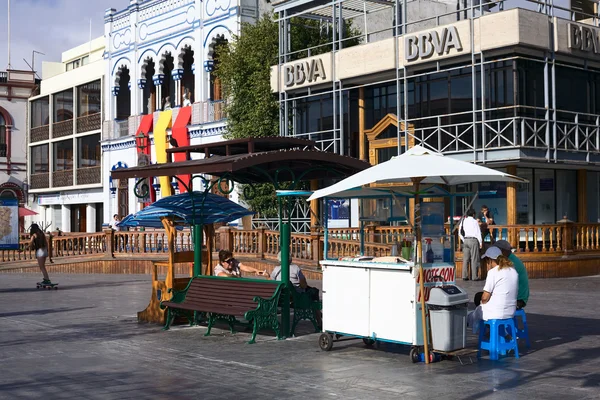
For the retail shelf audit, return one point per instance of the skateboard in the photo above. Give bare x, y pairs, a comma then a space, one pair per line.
49, 286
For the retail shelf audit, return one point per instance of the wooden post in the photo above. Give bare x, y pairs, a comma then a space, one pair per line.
262, 243
362, 140
110, 242
314, 205
226, 237
50, 248
567, 228
582, 216
316, 246
511, 199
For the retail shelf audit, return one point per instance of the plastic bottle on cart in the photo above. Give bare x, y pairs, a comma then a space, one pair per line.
429, 252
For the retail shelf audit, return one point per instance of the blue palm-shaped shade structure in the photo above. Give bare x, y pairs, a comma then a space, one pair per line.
195, 208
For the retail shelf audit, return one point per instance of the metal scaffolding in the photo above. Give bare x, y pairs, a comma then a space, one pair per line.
485, 133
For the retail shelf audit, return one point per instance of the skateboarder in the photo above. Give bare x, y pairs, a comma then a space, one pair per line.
40, 245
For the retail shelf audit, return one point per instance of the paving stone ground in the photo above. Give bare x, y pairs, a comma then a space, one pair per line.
83, 342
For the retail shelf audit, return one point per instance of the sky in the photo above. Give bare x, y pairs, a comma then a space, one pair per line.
49, 26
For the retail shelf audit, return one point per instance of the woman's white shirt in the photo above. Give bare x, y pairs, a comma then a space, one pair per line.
503, 284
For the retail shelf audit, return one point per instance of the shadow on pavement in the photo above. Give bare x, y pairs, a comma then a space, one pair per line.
546, 332
42, 312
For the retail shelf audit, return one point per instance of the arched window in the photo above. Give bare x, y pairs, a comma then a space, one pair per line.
2, 136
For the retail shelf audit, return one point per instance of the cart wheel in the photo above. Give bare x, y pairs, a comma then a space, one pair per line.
414, 355
368, 342
325, 341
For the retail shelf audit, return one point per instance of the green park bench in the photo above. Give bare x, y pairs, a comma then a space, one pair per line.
227, 299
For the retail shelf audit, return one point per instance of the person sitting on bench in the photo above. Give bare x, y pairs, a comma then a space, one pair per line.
297, 278
232, 268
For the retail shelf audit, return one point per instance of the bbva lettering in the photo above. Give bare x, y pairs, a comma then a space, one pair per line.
583, 38
425, 44
306, 71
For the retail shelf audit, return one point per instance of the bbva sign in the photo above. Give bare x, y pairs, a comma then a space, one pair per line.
424, 45
304, 71
583, 38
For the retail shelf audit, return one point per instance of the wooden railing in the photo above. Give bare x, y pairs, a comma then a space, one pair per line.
78, 245
556, 239
587, 237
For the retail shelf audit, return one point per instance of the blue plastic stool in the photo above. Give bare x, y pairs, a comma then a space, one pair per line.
522, 333
497, 345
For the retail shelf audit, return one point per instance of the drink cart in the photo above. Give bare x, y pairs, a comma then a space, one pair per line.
377, 299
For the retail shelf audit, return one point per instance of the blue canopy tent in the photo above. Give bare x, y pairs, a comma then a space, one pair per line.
198, 208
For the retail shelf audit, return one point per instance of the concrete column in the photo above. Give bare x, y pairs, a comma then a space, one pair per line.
90, 218
65, 221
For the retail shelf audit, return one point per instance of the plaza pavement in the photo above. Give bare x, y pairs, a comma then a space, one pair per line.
83, 342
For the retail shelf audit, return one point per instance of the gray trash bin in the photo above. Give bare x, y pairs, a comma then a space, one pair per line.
448, 315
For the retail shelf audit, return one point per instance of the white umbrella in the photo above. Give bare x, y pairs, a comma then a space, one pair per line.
431, 166
419, 165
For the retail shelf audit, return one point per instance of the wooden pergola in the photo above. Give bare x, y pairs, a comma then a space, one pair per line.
281, 161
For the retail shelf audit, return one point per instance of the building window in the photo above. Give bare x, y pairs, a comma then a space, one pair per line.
39, 159
88, 97
63, 105
379, 101
2, 136
566, 195
89, 151
40, 112
63, 155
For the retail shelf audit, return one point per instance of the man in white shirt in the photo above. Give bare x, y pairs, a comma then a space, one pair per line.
470, 234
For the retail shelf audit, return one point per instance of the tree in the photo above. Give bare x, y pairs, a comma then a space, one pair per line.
244, 69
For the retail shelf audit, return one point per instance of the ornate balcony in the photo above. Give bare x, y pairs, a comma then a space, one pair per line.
63, 128
89, 175
208, 111
91, 122
40, 133
40, 181
62, 178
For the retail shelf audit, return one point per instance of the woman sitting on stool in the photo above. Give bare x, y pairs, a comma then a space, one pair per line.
499, 296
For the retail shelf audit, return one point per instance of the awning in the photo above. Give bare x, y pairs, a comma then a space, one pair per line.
179, 132
25, 212
280, 165
186, 209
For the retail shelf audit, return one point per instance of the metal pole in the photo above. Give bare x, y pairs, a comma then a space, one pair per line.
285, 277
419, 264
8, 47
197, 249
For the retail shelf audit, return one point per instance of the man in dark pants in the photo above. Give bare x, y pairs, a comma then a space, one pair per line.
470, 234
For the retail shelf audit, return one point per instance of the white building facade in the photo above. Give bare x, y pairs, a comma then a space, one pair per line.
160, 57
15, 88
64, 133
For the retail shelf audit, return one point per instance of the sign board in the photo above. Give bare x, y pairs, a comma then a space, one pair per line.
306, 72
435, 276
426, 44
9, 224
435, 44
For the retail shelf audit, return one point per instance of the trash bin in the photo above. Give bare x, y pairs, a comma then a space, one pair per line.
448, 317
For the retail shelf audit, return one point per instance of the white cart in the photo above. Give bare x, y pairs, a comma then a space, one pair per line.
376, 301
